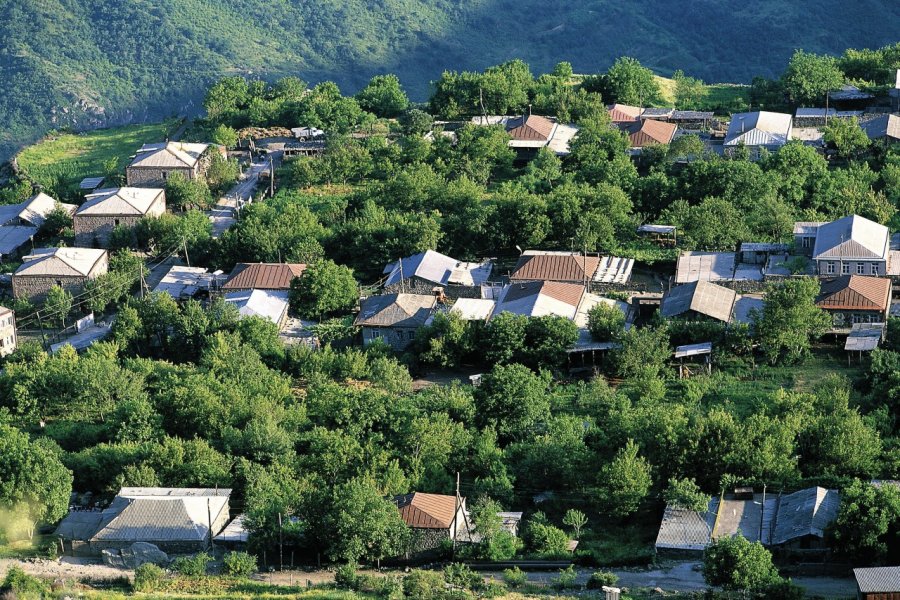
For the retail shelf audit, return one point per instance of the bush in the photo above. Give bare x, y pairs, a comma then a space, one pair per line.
345, 576
147, 578
598, 579
493, 589
23, 585
515, 577
192, 566
239, 564
566, 578
461, 576
548, 540
424, 585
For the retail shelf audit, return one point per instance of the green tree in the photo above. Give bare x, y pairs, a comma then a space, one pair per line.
363, 524
688, 90
513, 400
325, 288
183, 193
624, 482
57, 305
416, 122
224, 136
576, 520
868, 523
34, 484
737, 564
643, 353
790, 320
846, 137
809, 76
685, 493
605, 322
496, 543
630, 83
383, 96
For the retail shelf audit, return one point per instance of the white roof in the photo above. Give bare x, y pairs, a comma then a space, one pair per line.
614, 269
852, 237
70, 262
760, 128
656, 229
184, 281
693, 350
474, 309
439, 269
34, 210
589, 301
705, 266
234, 532
562, 136
124, 201
268, 304
169, 154
540, 298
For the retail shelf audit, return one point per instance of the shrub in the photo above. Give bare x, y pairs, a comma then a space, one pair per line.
493, 589
566, 578
515, 577
548, 540
598, 579
424, 585
147, 578
23, 585
461, 576
345, 576
239, 564
192, 566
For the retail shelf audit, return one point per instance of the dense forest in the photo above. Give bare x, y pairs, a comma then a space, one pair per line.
73, 63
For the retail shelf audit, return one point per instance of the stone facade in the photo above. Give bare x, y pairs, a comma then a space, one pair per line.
140, 176
95, 231
398, 338
8, 340
417, 285
35, 287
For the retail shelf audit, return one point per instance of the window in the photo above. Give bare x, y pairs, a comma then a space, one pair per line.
829, 268
806, 242
165, 175
857, 318
860, 268
845, 268
117, 222
874, 268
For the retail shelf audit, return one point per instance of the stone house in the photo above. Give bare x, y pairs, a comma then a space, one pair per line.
20, 223
104, 210
154, 163
432, 518
8, 341
421, 273
877, 583
394, 318
68, 268
852, 245
854, 299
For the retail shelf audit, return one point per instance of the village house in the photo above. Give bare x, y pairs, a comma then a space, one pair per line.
104, 210
852, 299
877, 583
529, 133
19, 223
422, 272
623, 113
271, 305
153, 163
8, 339
650, 132
852, 245
794, 521
883, 128
68, 268
571, 267
699, 300
760, 129
540, 298
432, 518
394, 318
176, 520
263, 276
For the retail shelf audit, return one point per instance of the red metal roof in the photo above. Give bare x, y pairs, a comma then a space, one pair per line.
263, 276
427, 511
649, 132
855, 292
555, 267
530, 128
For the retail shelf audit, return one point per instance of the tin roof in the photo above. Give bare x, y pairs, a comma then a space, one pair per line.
427, 511
124, 201
852, 237
624, 113
13, 237
263, 276
33, 211
701, 297
684, 529
437, 268
169, 154
474, 309
855, 292
396, 310
705, 266
68, 262
882, 126
536, 265
541, 298
648, 132
807, 512
267, 304
530, 128
876, 580
761, 128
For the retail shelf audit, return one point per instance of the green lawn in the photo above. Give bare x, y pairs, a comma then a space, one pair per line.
59, 162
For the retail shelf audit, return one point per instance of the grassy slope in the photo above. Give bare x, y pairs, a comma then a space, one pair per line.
100, 62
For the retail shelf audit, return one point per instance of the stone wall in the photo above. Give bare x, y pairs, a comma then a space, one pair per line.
94, 231
416, 285
35, 288
155, 177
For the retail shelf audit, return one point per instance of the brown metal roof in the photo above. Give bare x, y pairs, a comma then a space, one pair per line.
532, 127
555, 267
623, 113
263, 276
648, 132
855, 292
427, 511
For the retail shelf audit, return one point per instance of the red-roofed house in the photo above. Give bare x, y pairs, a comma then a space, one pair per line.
856, 299
432, 518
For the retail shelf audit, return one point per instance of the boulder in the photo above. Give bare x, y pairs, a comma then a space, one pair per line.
134, 556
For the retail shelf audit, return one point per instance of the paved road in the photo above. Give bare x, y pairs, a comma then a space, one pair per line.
222, 215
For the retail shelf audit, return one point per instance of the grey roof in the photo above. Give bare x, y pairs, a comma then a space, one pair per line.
701, 297
807, 512
882, 126
864, 337
763, 247
807, 227
743, 307
705, 266
849, 92
437, 268
693, 350
760, 128
271, 305
79, 525
396, 310
185, 282
656, 229
234, 532
878, 579
656, 113
692, 115
13, 237
852, 237
684, 529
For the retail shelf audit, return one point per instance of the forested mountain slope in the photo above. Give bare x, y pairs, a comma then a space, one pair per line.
94, 62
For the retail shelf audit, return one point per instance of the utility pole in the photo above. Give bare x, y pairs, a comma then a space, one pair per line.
209, 518
187, 258
271, 177
143, 282
280, 544
455, 512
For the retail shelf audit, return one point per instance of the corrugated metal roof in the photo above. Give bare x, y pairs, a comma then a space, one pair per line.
852, 237
234, 532
705, 266
882, 126
667, 229
701, 297
263, 276
683, 529
807, 512
184, 282
534, 265
807, 227
159, 519
530, 128
855, 292
693, 350
33, 211
396, 310
427, 511
169, 154
648, 132
439, 269
124, 201
541, 298
68, 262
474, 309
761, 128
624, 113
79, 525
876, 580
13, 237
267, 304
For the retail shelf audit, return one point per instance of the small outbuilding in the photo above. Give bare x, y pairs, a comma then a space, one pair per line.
877, 583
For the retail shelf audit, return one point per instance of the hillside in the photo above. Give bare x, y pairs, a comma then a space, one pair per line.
87, 63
